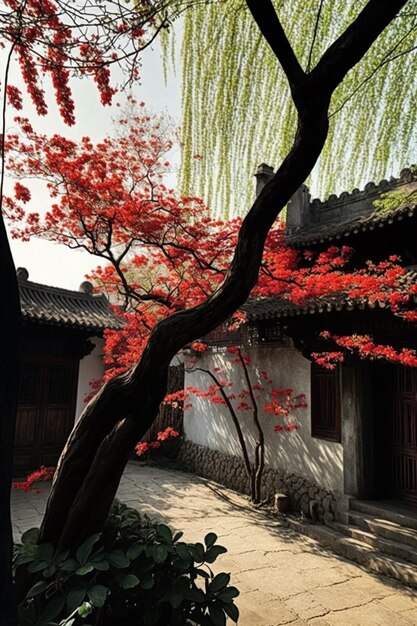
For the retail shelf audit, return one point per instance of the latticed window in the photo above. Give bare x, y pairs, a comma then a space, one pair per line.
325, 403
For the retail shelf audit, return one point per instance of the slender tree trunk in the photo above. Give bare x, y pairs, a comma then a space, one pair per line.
235, 420
9, 375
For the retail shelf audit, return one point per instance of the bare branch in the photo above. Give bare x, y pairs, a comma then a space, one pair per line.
313, 41
353, 43
270, 26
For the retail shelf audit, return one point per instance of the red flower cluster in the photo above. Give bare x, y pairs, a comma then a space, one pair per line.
365, 347
199, 346
43, 474
144, 446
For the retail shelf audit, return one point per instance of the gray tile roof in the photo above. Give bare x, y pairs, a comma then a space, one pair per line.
334, 232
62, 307
352, 213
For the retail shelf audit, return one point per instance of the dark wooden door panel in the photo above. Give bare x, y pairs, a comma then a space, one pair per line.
404, 434
56, 425
46, 409
27, 425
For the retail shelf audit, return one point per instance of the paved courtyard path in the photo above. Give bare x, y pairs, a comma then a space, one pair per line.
284, 578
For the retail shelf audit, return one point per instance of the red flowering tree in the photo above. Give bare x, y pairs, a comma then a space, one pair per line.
248, 400
162, 252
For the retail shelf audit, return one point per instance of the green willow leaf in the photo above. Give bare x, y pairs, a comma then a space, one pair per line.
237, 110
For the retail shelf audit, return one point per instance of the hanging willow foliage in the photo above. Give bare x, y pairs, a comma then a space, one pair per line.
237, 111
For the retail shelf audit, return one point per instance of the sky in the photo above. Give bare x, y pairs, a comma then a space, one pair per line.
54, 264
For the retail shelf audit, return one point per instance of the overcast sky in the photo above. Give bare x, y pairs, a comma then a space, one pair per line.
54, 264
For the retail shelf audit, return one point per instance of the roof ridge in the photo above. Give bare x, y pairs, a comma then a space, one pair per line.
406, 176
60, 290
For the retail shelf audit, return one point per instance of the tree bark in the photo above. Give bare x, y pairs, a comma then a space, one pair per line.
96, 453
9, 376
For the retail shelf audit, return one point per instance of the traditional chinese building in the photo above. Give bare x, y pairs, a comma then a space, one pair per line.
354, 456
61, 354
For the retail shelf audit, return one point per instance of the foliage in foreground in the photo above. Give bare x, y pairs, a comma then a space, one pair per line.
135, 572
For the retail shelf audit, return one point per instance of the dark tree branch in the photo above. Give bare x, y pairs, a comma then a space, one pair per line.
235, 419
315, 31
354, 42
264, 14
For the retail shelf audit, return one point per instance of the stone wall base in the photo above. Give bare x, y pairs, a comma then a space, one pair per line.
305, 497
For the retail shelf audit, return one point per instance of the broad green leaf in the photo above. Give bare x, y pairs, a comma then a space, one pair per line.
217, 614
52, 609
202, 572
85, 548
232, 611
228, 594
177, 536
84, 569
213, 553
46, 551
183, 551
194, 595
181, 585
219, 582
210, 540
134, 551
117, 558
98, 595
164, 532
147, 582
129, 581
37, 588
75, 597
37, 565
30, 536
197, 552
49, 571
101, 564
70, 565
160, 554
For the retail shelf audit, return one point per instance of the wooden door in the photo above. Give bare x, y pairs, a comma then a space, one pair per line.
404, 434
45, 415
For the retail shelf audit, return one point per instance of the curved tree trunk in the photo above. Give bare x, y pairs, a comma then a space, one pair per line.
97, 451
126, 406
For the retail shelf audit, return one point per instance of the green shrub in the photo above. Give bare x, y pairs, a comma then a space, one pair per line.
136, 572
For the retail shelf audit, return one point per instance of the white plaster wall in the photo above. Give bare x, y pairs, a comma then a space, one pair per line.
209, 425
91, 368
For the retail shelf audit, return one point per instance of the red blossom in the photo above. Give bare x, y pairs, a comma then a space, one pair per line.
199, 346
43, 474
14, 97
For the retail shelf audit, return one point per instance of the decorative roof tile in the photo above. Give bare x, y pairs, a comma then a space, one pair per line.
62, 307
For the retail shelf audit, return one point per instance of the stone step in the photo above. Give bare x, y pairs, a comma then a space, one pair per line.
403, 516
376, 561
360, 552
384, 528
386, 546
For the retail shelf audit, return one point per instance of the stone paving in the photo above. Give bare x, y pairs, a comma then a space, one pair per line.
284, 578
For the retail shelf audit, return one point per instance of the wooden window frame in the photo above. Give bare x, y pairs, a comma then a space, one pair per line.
325, 412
